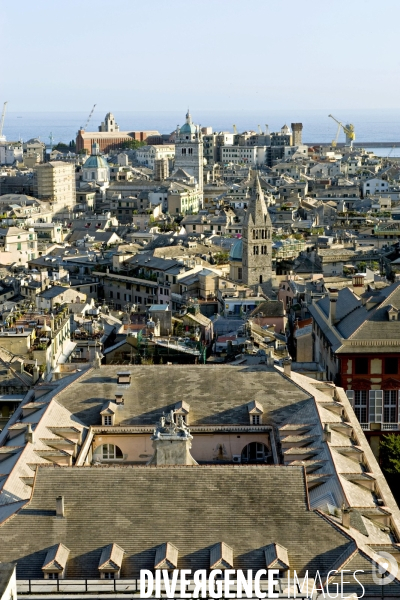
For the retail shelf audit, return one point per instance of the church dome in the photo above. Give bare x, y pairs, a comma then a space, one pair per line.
95, 162
188, 128
236, 251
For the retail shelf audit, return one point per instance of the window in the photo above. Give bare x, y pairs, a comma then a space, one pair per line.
109, 575
361, 366
19, 246
109, 452
255, 419
107, 420
390, 406
255, 452
375, 406
391, 365
360, 405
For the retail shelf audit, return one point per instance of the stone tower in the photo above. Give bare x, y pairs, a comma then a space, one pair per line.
297, 129
257, 240
189, 150
109, 125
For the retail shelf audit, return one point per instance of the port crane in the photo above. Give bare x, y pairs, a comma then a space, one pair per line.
348, 130
3, 114
89, 117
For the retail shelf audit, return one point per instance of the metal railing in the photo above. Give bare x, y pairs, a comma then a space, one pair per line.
76, 586
129, 587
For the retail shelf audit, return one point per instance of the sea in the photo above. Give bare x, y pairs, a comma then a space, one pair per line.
371, 126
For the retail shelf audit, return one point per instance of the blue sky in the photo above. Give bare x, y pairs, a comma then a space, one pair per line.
210, 54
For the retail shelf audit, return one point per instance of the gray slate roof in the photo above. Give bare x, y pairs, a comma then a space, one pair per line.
356, 322
193, 508
217, 395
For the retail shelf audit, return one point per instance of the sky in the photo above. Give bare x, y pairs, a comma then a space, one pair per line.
128, 55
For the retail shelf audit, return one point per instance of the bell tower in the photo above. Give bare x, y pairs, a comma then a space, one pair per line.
257, 240
189, 150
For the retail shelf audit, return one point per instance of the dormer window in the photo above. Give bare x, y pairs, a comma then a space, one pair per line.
108, 413
276, 557
55, 562
166, 557
111, 561
256, 411
221, 556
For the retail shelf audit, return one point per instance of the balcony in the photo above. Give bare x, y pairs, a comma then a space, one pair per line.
384, 427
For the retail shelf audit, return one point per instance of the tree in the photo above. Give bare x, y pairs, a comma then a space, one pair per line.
221, 258
61, 147
389, 453
132, 145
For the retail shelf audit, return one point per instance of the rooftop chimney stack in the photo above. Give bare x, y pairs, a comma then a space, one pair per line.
60, 506
29, 435
358, 283
287, 366
333, 298
327, 436
346, 512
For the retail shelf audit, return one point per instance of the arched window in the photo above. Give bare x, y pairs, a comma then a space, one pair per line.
255, 452
110, 452
183, 150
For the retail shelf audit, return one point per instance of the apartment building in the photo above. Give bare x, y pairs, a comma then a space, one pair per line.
55, 182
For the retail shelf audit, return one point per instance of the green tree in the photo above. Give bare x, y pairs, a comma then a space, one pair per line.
389, 453
221, 258
61, 147
132, 145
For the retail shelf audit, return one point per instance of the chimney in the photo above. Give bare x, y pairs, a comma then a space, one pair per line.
287, 366
358, 283
346, 512
29, 435
327, 435
60, 506
119, 398
333, 298
36, 373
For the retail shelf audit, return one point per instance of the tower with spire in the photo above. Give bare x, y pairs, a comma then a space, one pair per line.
189, 150
257, 240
